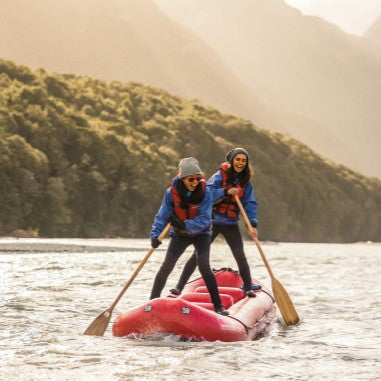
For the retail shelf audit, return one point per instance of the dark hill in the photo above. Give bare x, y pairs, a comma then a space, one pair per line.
88, 158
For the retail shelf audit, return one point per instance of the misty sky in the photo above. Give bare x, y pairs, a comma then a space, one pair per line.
353, 16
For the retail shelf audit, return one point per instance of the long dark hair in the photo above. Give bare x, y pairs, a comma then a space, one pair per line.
243, 177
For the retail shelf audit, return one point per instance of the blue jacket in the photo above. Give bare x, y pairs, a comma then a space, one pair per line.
248, 201
198, 225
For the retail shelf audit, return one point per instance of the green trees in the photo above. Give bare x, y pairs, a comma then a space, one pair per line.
89, 158
23, 170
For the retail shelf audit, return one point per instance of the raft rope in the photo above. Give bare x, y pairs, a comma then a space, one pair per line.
247, 328
225, 269
235, 272
239, 321
264, 315
268, 294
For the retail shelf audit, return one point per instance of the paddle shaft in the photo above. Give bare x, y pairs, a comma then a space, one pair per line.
137, 270
100, 323
250, 228
281, 296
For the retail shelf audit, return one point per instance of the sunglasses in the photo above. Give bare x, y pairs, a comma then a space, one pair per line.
192, 179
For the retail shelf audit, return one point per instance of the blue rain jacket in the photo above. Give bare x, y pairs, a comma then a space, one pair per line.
248, 202
198, 225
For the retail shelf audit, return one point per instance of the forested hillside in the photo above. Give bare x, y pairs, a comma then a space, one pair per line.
81, 157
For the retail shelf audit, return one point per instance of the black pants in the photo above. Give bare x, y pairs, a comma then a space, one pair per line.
233, 238
176, 247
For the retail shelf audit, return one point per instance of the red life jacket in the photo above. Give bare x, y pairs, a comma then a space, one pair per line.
192, 211
227, 205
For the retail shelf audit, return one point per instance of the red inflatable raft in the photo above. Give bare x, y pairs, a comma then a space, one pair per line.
192, 317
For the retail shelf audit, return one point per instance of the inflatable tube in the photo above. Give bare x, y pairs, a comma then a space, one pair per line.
191, 314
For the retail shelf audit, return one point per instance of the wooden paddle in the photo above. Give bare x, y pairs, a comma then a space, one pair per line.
99, 325
282, 299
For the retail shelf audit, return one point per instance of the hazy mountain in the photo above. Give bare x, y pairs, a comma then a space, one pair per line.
374, 32
119, 40
301, 64
352, 16
133, 40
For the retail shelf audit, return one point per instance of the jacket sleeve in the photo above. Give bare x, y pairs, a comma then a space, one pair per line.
203, 219
250, 205
214, 184
161, 218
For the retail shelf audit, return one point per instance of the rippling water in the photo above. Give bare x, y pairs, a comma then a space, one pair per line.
48, 298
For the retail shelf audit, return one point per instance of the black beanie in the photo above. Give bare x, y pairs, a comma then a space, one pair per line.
234, 152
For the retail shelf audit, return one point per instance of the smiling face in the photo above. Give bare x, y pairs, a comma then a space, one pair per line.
239, 162
191, 182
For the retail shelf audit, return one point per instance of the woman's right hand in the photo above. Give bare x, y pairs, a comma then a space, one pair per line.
254, 233
176, 222
232, 191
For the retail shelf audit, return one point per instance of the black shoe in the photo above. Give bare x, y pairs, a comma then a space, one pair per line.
250, 294
254, 287
221, 311
175, 291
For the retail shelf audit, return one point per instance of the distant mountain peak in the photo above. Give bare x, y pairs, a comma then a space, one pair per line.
374, 32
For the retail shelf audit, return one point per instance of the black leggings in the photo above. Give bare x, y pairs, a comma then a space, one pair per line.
177, 246
233, 238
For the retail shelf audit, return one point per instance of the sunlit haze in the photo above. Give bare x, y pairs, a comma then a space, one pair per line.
353, 16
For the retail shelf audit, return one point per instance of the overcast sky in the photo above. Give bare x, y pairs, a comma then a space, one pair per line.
353, 16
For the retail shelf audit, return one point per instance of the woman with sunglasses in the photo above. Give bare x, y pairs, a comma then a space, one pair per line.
187, 205
233, 178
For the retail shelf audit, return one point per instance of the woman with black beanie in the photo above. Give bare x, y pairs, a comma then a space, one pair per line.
233, 178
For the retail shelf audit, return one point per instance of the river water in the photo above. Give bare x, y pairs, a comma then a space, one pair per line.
51, 290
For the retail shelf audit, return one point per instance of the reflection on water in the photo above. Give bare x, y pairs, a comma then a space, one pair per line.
49, 298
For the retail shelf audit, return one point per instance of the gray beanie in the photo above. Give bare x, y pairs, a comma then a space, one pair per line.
189, 166
234, 152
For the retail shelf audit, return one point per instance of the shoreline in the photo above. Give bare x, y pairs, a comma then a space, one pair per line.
9, 245
70, 245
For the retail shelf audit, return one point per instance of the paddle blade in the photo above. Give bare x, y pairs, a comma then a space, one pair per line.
284, 303
99, 325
